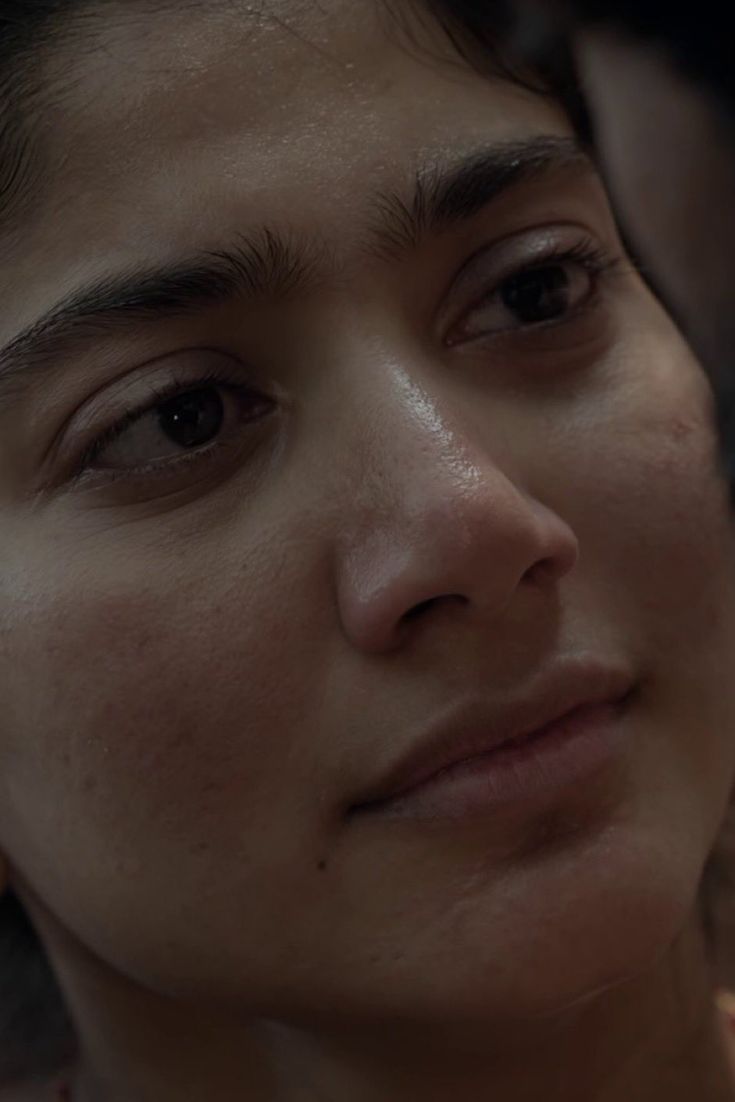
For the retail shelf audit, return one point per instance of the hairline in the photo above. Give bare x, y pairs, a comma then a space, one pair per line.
37, 68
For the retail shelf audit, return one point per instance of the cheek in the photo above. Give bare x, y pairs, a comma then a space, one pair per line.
151, 719
641, 479
657, 576
666, 509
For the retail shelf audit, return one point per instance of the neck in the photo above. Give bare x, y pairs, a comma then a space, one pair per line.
657, 1037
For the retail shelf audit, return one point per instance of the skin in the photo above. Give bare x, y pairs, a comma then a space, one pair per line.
205, 668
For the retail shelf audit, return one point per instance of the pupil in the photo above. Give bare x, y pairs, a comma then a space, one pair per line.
192, 419
537, 295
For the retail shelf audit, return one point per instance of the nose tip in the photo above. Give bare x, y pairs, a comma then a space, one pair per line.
473, 557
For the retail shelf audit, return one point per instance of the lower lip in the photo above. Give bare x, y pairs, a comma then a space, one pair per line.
522, 771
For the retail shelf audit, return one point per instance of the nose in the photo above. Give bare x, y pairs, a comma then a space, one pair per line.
435, 527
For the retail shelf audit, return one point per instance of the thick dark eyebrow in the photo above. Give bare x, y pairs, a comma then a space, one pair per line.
270, 264
266, 264
444, 195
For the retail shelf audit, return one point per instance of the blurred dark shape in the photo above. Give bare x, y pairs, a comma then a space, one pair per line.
32, 1011
698, 36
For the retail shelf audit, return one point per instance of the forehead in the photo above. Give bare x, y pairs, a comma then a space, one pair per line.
237, 97
178, 127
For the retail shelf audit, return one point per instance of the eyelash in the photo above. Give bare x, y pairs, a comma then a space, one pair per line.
591, 256
160, 393
587, 253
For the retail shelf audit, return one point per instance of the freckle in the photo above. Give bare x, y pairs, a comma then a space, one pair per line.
89, 784
322, 866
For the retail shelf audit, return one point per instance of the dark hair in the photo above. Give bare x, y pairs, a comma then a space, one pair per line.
27, 29
700, 40
31, 34
700, 43
36, 1033
482, 33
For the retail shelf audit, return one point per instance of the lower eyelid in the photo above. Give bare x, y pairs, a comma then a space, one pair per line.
104, 476
85, 465
541, 351
165, 472
459, 335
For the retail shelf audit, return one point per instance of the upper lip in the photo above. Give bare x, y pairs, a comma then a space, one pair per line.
479, 727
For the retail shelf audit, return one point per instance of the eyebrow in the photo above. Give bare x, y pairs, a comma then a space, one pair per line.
266, 263
444, 196
271, 264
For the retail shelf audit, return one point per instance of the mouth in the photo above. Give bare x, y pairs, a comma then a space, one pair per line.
566, 727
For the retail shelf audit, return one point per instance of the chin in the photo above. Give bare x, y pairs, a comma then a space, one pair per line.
549, 937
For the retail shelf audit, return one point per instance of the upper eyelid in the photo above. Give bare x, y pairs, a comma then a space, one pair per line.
159, 396
548, 241
473, 281
101, 413
82, 470
586, 255
144, 383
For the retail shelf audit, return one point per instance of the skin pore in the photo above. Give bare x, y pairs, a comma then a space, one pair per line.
427, 489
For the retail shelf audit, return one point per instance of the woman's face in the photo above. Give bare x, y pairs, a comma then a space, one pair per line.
437, 457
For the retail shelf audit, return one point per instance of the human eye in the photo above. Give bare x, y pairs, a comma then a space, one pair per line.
549, 281
176, 423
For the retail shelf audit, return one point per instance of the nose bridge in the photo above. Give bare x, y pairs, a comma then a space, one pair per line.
430, 517
420, 487
407, 453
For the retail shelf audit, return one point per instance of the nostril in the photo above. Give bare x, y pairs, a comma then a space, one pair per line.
542, 572
418, 610
422, 607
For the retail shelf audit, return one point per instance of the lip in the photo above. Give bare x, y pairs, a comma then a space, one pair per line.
483, 753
